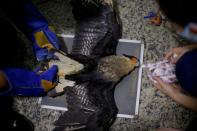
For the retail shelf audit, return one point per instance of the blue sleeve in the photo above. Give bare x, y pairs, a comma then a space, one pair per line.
25, 15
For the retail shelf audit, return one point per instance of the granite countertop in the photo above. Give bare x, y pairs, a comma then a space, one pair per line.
156, 110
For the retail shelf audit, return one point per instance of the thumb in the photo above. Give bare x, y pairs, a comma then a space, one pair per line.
176, 86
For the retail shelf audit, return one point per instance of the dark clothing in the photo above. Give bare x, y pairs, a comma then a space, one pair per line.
192, 125
10, 120
9, 44
186, 72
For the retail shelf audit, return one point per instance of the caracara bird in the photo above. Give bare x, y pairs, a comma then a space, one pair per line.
91, 104
97, 30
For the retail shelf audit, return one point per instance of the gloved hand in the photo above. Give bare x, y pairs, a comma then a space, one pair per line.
36, 28
44, 41
28, 83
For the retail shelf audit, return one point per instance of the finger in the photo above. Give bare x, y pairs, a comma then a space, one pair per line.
157, 86
174, 60
168, 54
160, 81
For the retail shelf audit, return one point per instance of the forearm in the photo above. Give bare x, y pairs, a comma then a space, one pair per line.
3, 81
24, 15
192, 46
186, 101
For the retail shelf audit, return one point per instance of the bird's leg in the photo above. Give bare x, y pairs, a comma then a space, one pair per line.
79, 78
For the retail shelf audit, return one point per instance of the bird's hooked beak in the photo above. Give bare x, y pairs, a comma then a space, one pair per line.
134, 60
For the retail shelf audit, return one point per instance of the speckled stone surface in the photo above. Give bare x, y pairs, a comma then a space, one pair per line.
156, 110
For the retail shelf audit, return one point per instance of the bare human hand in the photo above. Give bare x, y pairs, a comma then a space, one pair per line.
176, 93
175, 54
168, 89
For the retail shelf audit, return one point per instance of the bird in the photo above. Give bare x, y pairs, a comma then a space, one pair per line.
91, 104
98, 28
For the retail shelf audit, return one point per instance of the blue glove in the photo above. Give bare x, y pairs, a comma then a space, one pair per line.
27, 83
44, 40
36, 28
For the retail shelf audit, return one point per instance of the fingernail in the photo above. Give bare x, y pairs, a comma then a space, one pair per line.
155, 82
175, 55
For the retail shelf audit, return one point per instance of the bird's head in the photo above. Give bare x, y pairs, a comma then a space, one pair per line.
115, 67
